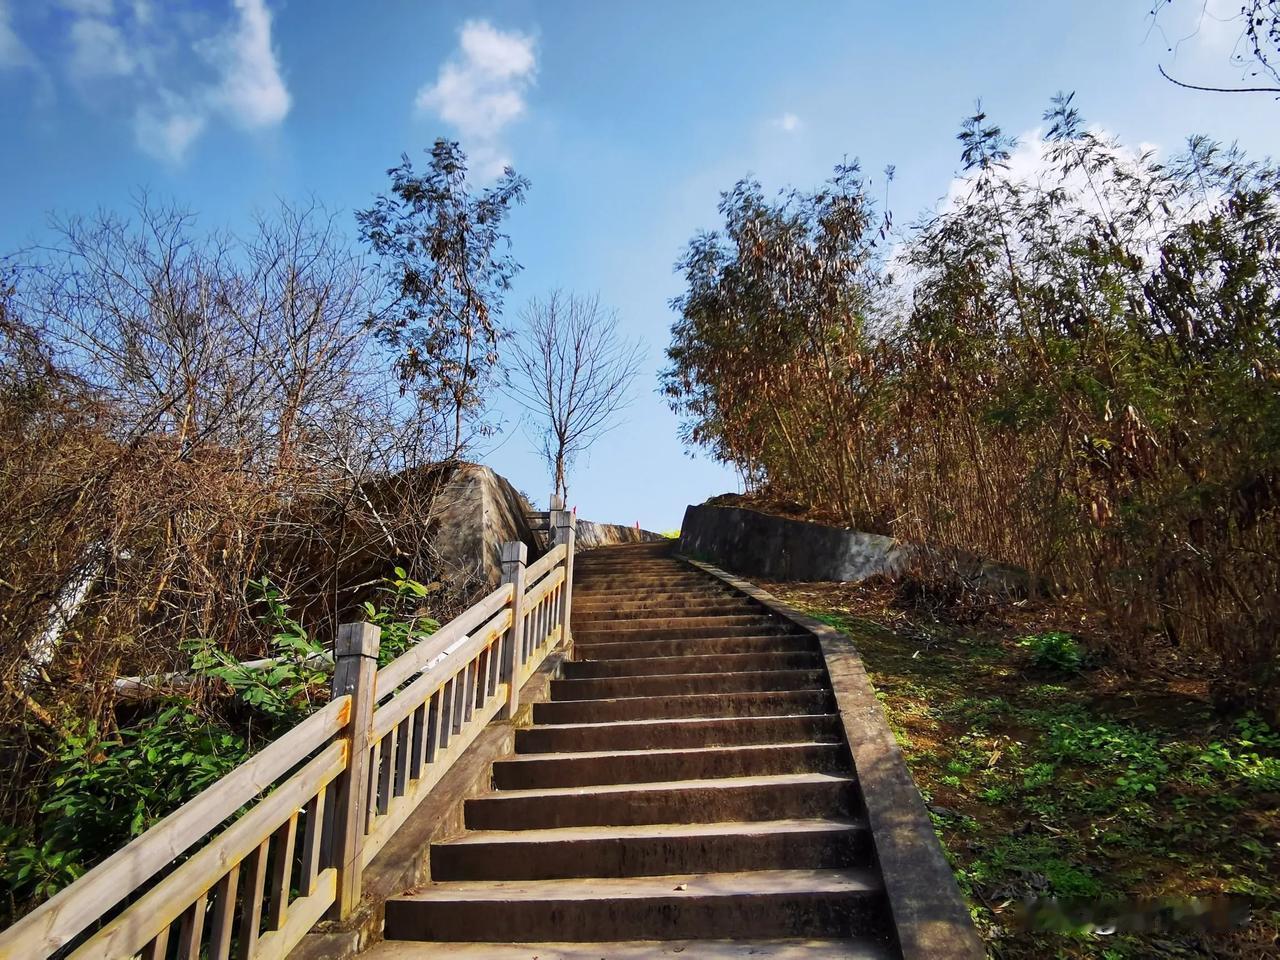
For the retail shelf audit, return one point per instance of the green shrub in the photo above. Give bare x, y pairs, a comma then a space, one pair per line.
401, 627
1054, 651
284, 692
108, 788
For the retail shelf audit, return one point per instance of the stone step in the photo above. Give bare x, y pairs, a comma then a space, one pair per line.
780, 797
599, 583
590, 768
671, 581
608, 616
712, 663
622, 634
668, 733
622, 687
636, 626
727, 607
710, 591
651, 850
866, 948
695, 647
590, 563
596, 572
753, 703
680, 603
767, 903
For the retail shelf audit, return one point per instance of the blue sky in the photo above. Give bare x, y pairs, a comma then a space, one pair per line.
629, 118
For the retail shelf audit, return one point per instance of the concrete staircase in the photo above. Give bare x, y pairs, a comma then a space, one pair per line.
686, 791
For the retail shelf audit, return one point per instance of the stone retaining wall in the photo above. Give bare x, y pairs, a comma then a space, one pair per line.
777, 548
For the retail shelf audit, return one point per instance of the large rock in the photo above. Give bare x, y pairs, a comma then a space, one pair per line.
591, 535
475, 513
478, 510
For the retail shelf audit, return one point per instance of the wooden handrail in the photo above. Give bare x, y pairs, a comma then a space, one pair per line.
72, 910
371, 755
407, 664
553, 557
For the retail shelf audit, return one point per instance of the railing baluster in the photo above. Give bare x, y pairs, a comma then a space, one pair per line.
385, 766
419, 740
282, 873
157, 948
468, 691
370, 809
312, 841
224, 914
459, 699
251, 914
446, 714
192, 929
434, 715
405, 748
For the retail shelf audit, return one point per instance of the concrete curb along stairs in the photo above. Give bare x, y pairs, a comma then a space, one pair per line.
689, 789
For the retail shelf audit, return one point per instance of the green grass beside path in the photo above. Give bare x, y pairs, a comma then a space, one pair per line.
1050, 776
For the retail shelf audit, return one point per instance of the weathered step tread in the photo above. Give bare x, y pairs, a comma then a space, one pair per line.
662, 722
859, 949
710, 706
659, 831
661, 725
677, 684
736, 748
640, 766
660, 786
848, 880
591, 669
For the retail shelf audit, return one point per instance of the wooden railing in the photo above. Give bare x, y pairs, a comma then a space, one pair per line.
540, 521
283, 840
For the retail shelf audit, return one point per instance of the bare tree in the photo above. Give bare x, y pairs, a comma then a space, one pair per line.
572, 373
181, 413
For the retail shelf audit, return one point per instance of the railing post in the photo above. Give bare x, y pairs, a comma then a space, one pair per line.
355, 671
514, 556
564, 526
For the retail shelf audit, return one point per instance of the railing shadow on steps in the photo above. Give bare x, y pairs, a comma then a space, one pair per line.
282, 841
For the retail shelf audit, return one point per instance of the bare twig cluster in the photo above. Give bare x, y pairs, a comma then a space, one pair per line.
572, 373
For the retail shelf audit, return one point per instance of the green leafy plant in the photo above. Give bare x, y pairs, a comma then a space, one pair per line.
284, 690
402, 626
108, 788
1054, 651
35, 871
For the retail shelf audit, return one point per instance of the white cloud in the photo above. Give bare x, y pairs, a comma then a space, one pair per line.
99, 49
252, 91
174, 69
13, 52
788, 123
90, 8
167, 133
480, 90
